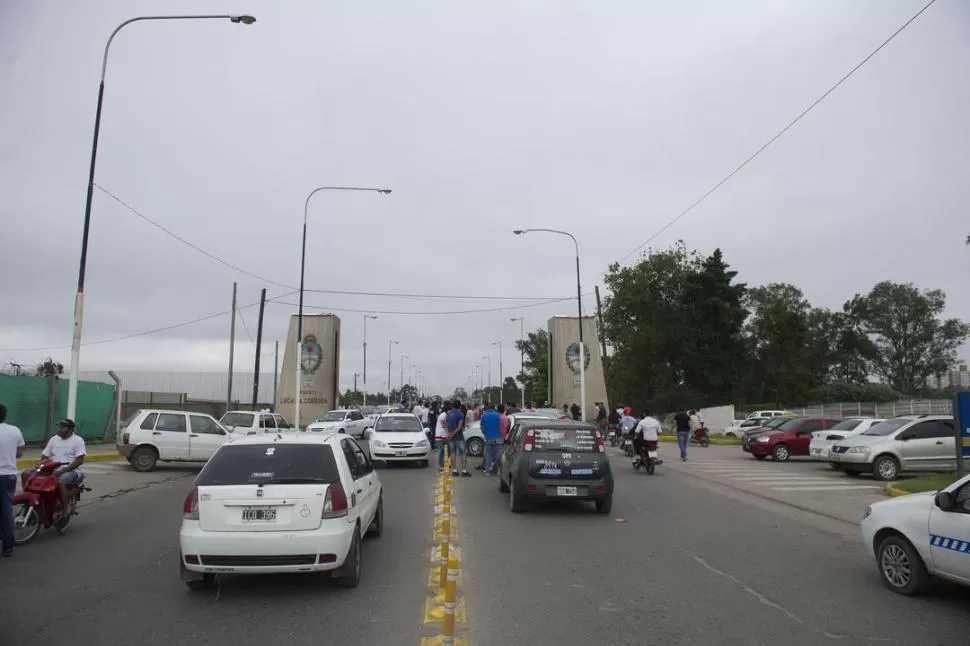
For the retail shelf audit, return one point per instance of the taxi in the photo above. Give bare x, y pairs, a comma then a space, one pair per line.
917, 537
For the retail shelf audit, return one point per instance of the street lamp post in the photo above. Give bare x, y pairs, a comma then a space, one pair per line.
389, 343
403, 357
521, 320
299, 318
501, 377
489, 384
579, 304
82, 266
366, 316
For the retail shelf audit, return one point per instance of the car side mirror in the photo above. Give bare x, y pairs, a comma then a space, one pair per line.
944, 500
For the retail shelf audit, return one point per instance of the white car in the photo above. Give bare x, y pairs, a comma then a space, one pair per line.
740, 426
349, 421
281, 503
916, 537
822, 441
150, 436
250, 422
399, 437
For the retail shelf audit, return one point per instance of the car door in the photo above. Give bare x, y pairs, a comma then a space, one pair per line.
950, 537
205, 436
170, 436
267, 423
919, 446
281, 423
357, 424
803, 436
356, 506
944, 447
368, 481
510, 451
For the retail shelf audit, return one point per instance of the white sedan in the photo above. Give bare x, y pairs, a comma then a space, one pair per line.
916, 537
280, 503
822, 441
399, 437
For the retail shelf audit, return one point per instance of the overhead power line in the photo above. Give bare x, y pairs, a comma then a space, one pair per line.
777, 136
434, 313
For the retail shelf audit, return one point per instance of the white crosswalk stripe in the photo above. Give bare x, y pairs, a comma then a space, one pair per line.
777, 477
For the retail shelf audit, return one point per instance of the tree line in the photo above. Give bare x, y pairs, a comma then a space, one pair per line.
682, 331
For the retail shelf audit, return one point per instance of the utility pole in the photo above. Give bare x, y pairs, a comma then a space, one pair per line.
276, 373
259, 347
599, 315
355, 382
366, 316
232, 347
501, 377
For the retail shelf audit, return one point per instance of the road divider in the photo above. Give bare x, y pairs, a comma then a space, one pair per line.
24, 463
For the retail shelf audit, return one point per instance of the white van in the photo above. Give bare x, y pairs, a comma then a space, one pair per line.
170, 436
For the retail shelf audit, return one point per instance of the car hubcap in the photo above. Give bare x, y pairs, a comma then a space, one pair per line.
782, 454
896, 566
887, 469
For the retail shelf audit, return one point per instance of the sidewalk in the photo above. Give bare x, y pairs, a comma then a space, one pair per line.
96, 453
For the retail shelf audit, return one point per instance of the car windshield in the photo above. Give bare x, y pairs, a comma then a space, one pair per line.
242, 464
846, 425
396, 424
332, 416
792, 424
888, 427
564, 439
237, 419
775, 422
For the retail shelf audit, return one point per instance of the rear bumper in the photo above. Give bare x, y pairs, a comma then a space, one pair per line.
819, 449
549, 489
332, 538
125, 450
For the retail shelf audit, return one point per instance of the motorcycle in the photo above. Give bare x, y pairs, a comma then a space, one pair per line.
701, 436
613, 436
647, 459
39, 507
626, 444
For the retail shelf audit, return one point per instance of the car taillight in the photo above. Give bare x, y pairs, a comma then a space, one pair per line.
599, 442
124, 439
190, 508
530, 440
335, 502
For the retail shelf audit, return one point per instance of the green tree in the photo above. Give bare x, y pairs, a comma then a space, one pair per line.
510, 391
49, 368
535, 374
460, 393
913, 343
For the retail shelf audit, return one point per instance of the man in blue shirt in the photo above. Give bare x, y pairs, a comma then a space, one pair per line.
456, 439
492, 430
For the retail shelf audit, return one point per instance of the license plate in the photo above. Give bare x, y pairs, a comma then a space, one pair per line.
566, 491
259, 515
400, 454
651, 454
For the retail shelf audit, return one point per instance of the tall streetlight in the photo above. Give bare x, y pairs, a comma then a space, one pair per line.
478, 381
501, 383
403, 357
371, 317
82, 266
489, 385
299, 318
389, 343
579, 303
521, 320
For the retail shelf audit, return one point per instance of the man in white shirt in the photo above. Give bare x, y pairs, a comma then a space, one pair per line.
646, 434
11, 448
441, 434
69, 449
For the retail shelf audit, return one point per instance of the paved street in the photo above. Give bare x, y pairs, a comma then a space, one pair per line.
691, 562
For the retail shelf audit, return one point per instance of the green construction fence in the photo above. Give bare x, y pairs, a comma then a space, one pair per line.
26, 399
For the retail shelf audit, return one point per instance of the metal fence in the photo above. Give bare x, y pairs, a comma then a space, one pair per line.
870, 409
134, 401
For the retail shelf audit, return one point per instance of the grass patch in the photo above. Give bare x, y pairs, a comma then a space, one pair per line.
933, 482
715, 439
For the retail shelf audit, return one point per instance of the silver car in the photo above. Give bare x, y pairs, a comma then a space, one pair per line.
901, 444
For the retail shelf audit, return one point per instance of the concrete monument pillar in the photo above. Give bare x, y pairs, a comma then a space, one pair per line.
564, 363
319, 391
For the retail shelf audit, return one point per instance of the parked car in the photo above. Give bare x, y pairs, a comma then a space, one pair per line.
740, 426
151, 436
902, 444
475, 439
914, 538
790, 438
349, 421
768, 414
281, 503
398, 437
251, 422
554, 460
822, 441
748, 435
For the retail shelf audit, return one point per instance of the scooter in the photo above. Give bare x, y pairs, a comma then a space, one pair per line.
39, 507
701, 436
647, 459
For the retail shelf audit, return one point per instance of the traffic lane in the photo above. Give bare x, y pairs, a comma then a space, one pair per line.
108, 479
113, 580
690, 564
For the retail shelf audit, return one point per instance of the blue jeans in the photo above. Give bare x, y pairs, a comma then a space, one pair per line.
441, 443
493, 450
8, 485
683, 437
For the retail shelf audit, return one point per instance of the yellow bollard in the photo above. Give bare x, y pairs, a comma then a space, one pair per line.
445, 544
451, 595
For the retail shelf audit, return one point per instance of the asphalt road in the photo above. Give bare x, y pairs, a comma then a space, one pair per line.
692, 562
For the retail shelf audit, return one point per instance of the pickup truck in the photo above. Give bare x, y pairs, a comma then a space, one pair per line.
252, 422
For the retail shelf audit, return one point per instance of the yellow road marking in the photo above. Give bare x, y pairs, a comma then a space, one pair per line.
435, 612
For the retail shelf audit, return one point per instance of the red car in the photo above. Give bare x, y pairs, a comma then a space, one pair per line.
791, 438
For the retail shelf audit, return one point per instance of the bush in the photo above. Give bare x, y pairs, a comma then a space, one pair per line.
848, 392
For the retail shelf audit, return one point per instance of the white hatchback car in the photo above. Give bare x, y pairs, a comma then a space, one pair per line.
918, 536
822, 441
281, 503
399, 437
152, 436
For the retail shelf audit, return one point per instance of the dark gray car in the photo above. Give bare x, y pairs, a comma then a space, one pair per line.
546, 459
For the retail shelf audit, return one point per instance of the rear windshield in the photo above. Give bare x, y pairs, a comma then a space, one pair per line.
846, 425
398, 424
255, 463
572, 439
237, 419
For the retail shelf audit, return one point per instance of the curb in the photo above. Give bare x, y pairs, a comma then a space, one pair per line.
894, 492
24, 463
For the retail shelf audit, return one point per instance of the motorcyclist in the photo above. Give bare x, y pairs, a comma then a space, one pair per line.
646, 435
68, 449
628, 422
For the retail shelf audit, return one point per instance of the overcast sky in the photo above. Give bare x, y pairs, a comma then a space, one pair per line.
602, 118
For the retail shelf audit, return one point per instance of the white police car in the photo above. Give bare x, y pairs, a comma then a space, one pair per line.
916, 537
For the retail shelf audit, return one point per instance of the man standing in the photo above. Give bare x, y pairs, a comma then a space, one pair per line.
682, 422
456, 439
441, 434
576, 411
68, 449
11, 448
492, 431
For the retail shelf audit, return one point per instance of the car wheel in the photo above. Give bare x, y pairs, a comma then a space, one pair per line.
781, 453
376, 528
836, 466
885, 468
349, 573
475, 447
425, 463
516, 504
144, 459
900, 566
760, 457
604, 506
503, 485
